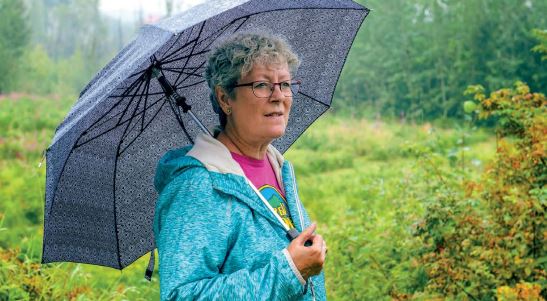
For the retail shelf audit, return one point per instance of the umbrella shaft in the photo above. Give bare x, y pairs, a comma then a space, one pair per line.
180, 101
201, 126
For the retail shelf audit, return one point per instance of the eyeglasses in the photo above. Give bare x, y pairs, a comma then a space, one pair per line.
264, 89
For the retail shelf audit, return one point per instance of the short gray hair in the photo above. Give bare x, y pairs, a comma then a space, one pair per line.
236, 56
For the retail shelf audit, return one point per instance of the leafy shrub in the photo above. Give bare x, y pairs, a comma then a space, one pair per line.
486, 238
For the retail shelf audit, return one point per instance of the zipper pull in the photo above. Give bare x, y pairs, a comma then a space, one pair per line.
312, 289
43, 157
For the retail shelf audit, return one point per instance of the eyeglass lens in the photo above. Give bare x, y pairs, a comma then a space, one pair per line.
265, 89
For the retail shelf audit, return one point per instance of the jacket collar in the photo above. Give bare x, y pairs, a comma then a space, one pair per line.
216, 157
227, 175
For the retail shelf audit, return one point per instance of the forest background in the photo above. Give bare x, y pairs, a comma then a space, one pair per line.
421, 197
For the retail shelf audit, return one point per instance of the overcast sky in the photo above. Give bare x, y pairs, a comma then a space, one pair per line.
129, 9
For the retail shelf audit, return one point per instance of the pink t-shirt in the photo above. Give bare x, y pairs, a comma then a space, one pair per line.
262, 175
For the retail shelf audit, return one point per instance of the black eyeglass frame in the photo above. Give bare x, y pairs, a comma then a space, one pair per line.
251, 84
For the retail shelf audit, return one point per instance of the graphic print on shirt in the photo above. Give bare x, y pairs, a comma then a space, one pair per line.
278, 202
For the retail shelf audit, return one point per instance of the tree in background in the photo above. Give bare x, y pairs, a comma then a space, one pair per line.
70, 41
415, 57
14, 37
541, 48
169, 7
411, 58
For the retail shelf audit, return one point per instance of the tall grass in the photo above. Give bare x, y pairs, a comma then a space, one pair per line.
358, 179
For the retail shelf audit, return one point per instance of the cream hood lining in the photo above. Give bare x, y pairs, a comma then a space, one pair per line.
216, 157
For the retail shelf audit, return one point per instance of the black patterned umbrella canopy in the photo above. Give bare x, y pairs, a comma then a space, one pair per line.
99, 202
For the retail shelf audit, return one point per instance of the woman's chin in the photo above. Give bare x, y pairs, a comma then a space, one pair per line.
276, 132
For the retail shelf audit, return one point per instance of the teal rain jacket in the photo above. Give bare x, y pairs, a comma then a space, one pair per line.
216, 239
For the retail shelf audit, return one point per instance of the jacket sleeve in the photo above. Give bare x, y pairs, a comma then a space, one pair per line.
193, 234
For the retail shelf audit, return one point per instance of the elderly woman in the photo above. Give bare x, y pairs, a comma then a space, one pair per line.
218, 222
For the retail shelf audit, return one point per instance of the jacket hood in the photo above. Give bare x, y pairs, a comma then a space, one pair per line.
211, 154
173, 163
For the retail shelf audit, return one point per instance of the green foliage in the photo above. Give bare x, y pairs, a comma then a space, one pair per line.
24, 278
43, 75
367, 210
486, 237
58, 48
37, 67
364, 190
27, 125
414, 58
541, 48
14, 36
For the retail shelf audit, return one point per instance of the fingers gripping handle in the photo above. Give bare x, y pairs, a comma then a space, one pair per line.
293, 233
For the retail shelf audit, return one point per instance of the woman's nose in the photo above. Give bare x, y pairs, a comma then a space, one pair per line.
276, 93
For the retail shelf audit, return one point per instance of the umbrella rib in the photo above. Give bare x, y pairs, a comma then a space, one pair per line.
168, 58
314, 99
191, 52
120, 122
113, 128
173, 55
116, 209
130, 119
219, 33
172, 58
303, 8
216, 35
140, 73
97, 125
98, 121
129, 104
191, 85
186, 77
157, 112
176, 40
105, 132
149, 94
224, 28
142, 131
245, 19
145, 102
183, 57
197, 42
134, 112
175, 70
118, 154
186, 43
76, 145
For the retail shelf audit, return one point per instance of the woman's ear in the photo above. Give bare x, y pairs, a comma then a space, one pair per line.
222, 97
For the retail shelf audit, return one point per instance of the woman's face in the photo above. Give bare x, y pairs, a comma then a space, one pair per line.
261, 119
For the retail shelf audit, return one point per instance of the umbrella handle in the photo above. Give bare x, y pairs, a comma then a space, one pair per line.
293, 233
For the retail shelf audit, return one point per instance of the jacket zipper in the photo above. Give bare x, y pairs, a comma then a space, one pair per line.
298, 203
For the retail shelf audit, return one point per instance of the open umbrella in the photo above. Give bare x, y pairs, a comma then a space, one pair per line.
100, 198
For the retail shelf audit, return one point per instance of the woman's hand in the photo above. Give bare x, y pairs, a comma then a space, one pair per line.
308, 260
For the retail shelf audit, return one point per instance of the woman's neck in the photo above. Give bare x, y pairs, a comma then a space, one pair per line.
236, 144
